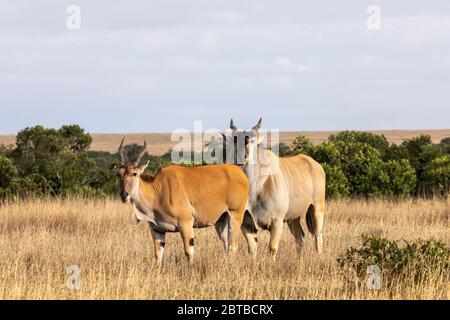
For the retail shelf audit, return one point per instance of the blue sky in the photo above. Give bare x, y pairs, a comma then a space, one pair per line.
150, 66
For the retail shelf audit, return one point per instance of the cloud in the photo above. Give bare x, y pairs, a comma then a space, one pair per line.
287, 63
222, 16
208, 40
316, 64
180, 63
417, 30
370, 60
282, 61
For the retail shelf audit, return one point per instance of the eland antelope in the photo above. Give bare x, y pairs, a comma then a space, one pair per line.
179, 199
286, 189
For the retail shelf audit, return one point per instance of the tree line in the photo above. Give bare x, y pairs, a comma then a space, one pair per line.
363, 164
58, 162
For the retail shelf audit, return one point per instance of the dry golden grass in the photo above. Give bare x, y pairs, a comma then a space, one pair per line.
39, 239
160, 143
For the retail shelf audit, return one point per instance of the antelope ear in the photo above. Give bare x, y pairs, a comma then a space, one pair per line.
142, 168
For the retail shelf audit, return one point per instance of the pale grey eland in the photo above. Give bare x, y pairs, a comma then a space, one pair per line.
286, 189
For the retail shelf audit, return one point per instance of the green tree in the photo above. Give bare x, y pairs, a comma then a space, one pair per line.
75, 138
38, 150
436, 175
419, 151
302, 145
402, 178
78, 170
5, 151
8, 177
53, 160
8, 172
444, 145
446, 141
284, 150
378, 142
360, 163
336, 182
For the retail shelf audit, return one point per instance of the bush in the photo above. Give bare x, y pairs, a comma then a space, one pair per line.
5, 151
8, 178
75, 138
446, 141
360, 163
284, 150
402, 178
413, 261
336, 182
419, 151
53, 161
378, 142
8, 172
57, 162
364, 164
31, 185
436, 175
303, 145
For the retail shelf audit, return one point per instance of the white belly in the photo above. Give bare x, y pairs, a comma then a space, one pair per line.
150, 216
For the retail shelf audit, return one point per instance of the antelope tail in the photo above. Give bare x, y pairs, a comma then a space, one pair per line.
310, 220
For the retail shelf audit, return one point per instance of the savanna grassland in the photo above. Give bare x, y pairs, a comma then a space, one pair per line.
39, 239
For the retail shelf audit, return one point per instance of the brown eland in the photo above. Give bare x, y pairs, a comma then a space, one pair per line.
179, 199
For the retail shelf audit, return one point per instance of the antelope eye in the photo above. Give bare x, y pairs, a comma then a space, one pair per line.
135, 174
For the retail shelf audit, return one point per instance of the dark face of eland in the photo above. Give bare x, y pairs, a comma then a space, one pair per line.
129, 174
244, 143
128, 181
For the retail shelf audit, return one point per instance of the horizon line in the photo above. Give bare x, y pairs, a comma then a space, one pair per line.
311, 131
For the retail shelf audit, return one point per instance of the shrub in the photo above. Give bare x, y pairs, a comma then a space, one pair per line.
436, 175
284, 150
303, 145
364, 164
337, 183
8, 172
360, 163
446, 141
378, 142
75, 138
402, 178
53, 161
5, 150
419, 151
413, 261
